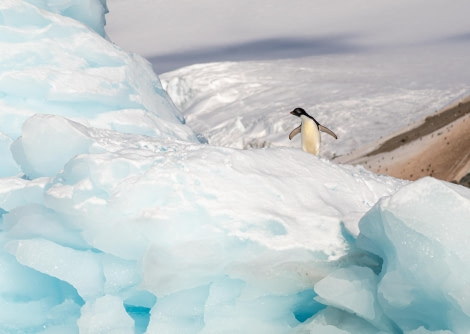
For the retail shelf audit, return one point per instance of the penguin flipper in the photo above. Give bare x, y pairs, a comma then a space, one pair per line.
325, 129
294, 132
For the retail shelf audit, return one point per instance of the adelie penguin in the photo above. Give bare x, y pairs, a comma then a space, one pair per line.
310, 130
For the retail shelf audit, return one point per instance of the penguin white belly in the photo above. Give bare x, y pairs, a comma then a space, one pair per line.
310, 136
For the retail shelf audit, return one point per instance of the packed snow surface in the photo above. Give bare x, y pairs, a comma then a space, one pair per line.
115, 218
362, 98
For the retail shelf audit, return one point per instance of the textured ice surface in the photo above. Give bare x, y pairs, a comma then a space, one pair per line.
353, 290
8, 165
105, 315
54, 65
210, 232
422, 240
420, 234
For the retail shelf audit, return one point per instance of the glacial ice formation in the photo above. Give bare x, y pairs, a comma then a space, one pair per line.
115, 219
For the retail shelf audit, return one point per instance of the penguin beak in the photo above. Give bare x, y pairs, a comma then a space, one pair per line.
293, 112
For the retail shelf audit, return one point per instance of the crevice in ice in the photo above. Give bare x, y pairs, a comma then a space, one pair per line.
307, 306
357, 256
201, 138
141, 316
138, 306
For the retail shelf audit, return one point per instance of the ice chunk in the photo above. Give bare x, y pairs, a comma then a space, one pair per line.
232, 299
334, 321
143, 216
89, 12
354, 290
82, 269
168, 213
53, 65
221, 306
32, 301
16, 192
421, 233
182, 312
35, 221
350, 289
34, 316
120, 275
8, 166
48, 143
105, 315
422, 284
62, 318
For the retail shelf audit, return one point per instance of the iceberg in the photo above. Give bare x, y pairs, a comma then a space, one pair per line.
419, 236
422, 243
51, 64
115, 218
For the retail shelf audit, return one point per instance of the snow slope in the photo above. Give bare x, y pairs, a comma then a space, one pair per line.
115, 218
360, 97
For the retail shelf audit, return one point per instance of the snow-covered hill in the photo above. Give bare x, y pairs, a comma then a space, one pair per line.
362, 98
364, 70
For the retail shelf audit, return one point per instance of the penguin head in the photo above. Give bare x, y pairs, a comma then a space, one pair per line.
299, 112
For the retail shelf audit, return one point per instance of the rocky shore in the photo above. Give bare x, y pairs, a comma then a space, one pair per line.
437, 146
